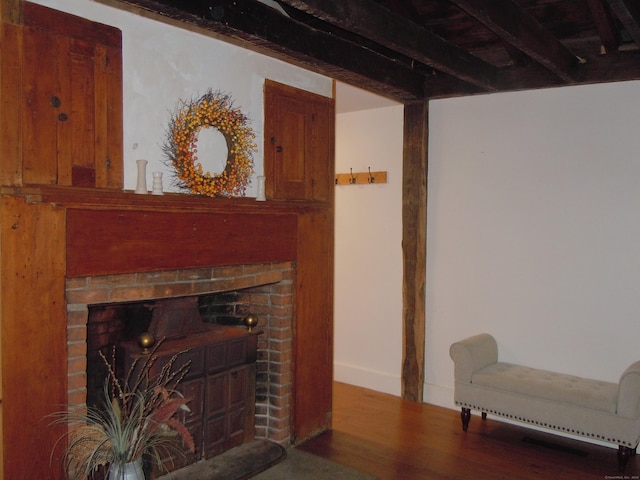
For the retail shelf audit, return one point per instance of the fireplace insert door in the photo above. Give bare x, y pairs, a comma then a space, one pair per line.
226, 408
220, 385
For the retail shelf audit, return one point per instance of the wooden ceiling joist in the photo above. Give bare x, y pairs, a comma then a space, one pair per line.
628, 12
604, 24
376, 23
515, 26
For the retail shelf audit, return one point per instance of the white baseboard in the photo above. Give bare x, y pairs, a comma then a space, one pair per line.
371, 379
439, 395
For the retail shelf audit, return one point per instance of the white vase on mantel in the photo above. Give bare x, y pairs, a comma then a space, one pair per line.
156, 186
141, 186
260, 197
129, 471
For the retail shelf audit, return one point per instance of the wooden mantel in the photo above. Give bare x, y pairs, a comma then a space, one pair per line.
50, 233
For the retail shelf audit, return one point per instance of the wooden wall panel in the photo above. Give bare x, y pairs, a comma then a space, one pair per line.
39, 116
34, 336
11, 11
323, 169
109, 117
313, 325
10, 105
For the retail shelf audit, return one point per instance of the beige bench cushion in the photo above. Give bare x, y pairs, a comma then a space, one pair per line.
556, 387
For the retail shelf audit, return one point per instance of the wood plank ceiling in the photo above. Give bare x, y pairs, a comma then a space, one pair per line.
420, 49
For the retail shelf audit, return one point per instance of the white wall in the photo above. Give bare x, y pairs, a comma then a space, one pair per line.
164, 64
368, 251
534, 230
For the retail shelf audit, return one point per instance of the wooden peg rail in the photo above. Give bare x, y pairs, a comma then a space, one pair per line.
361, 178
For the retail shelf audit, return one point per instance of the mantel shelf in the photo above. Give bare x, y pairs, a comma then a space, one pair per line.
100, 198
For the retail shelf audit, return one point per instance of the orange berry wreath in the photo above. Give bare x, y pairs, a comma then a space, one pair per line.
211, 110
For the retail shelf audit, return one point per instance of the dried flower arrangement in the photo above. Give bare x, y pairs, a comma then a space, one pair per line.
138, 418
210, 110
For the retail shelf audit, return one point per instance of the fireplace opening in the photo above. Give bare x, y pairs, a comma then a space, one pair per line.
108, 326
103, 311
111, 325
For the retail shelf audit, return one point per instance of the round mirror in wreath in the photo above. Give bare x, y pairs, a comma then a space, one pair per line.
194, 119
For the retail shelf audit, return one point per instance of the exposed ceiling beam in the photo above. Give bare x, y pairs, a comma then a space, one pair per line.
516, 27
599, 69
376, 23
628, 12
245, 17
362, 43
265, 29
604, 25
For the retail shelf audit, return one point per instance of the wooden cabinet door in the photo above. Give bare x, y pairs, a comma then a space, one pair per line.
225, 409
299, 144
72, 100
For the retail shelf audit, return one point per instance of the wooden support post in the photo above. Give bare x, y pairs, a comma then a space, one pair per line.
414, 241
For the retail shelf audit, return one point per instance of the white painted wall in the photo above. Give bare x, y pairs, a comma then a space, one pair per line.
533, 235
368, 251
534, 231
163, 64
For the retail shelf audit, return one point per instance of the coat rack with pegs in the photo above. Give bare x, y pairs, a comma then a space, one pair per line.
361, 178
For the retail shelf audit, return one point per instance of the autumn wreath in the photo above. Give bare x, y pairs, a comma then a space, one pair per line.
211, 110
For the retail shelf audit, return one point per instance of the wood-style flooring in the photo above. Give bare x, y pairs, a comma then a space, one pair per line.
393, 439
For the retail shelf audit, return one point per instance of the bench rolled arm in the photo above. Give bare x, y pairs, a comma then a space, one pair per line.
472, 354
629, 392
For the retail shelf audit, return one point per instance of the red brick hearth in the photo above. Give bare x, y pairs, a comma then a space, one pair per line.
266, 290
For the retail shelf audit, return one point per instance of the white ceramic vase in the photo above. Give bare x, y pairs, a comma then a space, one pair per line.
261, 188
141, 185
129, 471
156, 188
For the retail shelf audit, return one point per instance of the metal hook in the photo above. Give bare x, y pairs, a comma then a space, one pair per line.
352, 180
372, 179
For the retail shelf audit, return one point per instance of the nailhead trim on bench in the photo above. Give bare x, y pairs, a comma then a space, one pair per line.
546, 425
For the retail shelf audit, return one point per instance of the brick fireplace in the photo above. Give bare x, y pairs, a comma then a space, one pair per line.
266, 290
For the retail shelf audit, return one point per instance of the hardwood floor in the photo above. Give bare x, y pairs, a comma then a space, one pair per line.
390, 438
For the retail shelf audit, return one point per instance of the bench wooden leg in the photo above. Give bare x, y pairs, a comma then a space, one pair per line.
466, 416
624, 453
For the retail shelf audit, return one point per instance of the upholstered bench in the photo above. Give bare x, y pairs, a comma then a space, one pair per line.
603, 411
